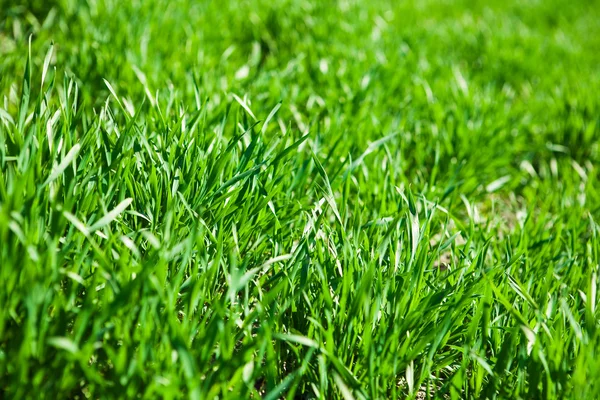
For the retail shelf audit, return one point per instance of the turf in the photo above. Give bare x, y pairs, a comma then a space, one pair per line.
299, 199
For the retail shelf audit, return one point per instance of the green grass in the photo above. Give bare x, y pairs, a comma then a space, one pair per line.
299, 199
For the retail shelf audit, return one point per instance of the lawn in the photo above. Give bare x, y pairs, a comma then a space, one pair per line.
299, 199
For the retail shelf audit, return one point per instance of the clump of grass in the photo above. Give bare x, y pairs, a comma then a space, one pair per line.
342, 200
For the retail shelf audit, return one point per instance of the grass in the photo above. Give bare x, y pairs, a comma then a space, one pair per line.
299, 199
